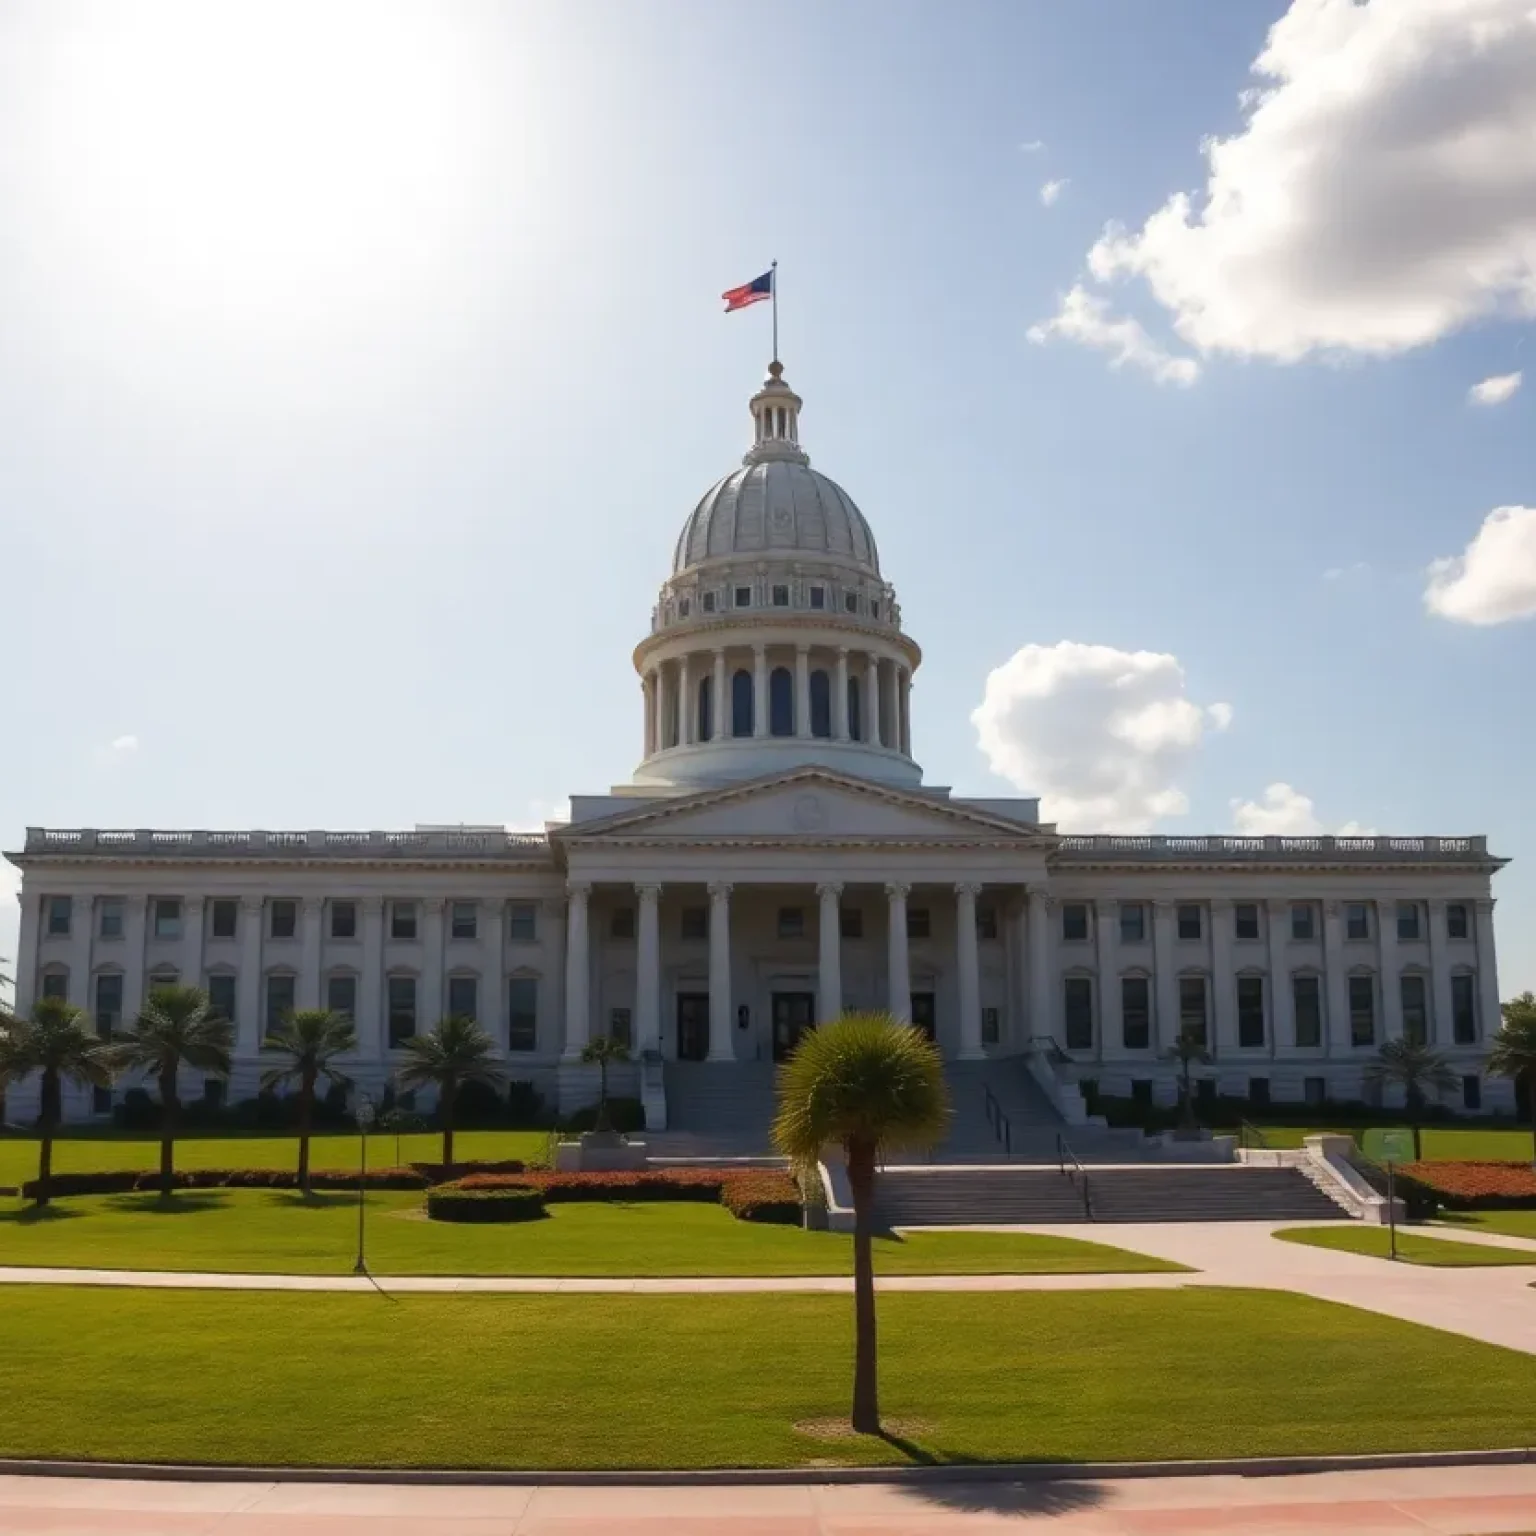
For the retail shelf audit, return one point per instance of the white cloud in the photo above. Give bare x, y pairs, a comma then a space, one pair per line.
1085, 317
1032, 146
1495, 390
1493, 580
537, 812
1103, 736
123, 746
1053, 190
1380, 193
1285, 812
1343, 572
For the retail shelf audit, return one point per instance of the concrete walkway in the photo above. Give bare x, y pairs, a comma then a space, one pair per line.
1451, 1501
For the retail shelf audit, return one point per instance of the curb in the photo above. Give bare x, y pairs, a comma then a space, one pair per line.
997, 1472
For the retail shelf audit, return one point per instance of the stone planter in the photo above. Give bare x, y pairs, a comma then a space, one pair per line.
600, 1152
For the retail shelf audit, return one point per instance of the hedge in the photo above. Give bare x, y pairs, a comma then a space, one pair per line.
441, 1173
452, 1202
751, 1194
765, 1196
125, 1181
1477, 1186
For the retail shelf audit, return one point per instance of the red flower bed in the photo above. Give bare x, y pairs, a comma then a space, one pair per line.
1469, 1186
753, 1194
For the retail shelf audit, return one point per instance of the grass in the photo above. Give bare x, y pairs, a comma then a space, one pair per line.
700, 1381
279, 1232
1412, 1248
1441, 1144
1510, 1223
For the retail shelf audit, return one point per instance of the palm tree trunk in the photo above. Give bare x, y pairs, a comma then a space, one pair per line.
306, 1106
46, 1121
168, 1107
866, 1384
445, 1109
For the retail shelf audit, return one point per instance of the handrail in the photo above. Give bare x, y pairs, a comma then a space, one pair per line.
1050, 1047
1000, 1124
1076, 1173
1250, 1137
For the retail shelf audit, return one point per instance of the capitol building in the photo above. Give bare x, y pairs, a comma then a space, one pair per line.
774, 859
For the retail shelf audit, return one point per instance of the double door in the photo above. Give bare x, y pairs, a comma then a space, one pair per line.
793, 1014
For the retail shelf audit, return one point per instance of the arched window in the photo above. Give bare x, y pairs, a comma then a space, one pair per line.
706, 713
855, 723
821, 704
741, 704
781, 702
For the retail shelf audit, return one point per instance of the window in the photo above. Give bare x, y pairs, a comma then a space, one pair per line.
213, 1092
1415, 1008
781, 703
704, 709
781, 597
523, 922
1314, 1092
56, 984
60, 910
1307, 1005
221, 995
109, 1003
743, 597
1205, 1091
522, 1013
695, 922
1077, 1012
1074, 921
684, 607
281, 995
1190, 921
851, 602
1357, 920
991, 1026
1245, 919
874, 608
1135, 1012
402, 920
621, 923
162, 976
464, 996
1362, 1011
855, 718
821, 704
1141, 1090
341, 994
620, 1026
1407, 921
986, 922
741, 703
919, 923
708, 601
402, 1010
464, 920
167, 917
283, 917
1456, 920
101, 1101
1258, 1092
1133, 922
1192, 1006
343, 919
1303, 922
109, 917
225, 915
1471, 1091
1463, 1009
1250, 1010
818, 597
791, 922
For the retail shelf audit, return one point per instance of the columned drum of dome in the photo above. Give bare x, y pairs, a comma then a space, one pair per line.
776, 634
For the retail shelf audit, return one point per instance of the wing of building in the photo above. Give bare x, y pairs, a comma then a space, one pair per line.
776, 858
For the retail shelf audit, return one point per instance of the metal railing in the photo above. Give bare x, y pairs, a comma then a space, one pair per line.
1073, 1170
1049, 1047
1250, 1138
1001, 1126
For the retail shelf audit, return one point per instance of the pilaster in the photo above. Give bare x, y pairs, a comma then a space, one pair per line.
721, 1003
1282, 1005
1223, 981
898, 976
371, 1036
648, 968
1165, 978
969, 964
248, 1022
310, 918
1489, 1016
1106, 924
1391, 983
577, 971
829, 1003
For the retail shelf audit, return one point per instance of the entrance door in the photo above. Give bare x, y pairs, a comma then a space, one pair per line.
924, 1016
692, 1026
793, 1014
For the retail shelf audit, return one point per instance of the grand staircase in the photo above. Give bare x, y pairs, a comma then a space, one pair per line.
716, 1109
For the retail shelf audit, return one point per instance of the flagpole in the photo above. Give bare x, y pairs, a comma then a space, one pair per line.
774, 285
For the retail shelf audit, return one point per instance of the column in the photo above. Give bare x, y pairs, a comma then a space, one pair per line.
969, 957
898, 980
1165, 979
759, 690
1042, 964
802, 691
685, 702
721, 723
1282, 1005
1389, 966
648, 700
829, 1002
26, 953
721, 1008
658, 708
493, 1001
1440, 1024
1489, 1018
372, 1037
1106, 921
309, 954
249, 1028
648, 969
430, 1001
550, 995
192, 941
577, 970
81, 922
840, 696
1223, 1031
872, 700
904, 707
1335, 979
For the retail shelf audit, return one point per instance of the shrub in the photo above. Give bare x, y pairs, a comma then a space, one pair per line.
507, 1202
752, 1194
1476, 1186
763, 1196
138, 1110
526, 1108
436, 1173
624, 1115
120, 1181
479, 1104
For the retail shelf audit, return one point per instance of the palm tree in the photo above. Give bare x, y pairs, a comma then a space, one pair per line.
311, 1039
1416, 1068
867, 1083
1512, 1053
176, 1025
600, 1052
56, 1042
1189, 1051
455, 1052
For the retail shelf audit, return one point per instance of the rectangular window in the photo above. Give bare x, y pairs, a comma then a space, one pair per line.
1471, 1091
164, 977
621, 923
343, 919
1135, 1012
402, 920
1258, 1092
1463, 1009
695, 922
1077, 1012
523, 922
1456, 920
1245, 920
341, 994
743, 597
986, 922
850, 922
1250, 1010
101, 1101
522, 1014
1074, 921
1191, 921
791, 922
60, 909
708, 601
221, 995
464, 920
851, 602
225, 914
213, 1092
167, 917
1415, 1005
1314, 1091
1205, 1091
1303, 921
1307, 1005
1192, 1014
1357, 920
1362, 1010
464, 996
1141, 1090
1133, 922
874, 608
919, 923
109, 1004
620, 1026
684, 608
781, 597
818, 597
1407, 921
281, 994
283, 919
991, 1026
402, 1010
110, 918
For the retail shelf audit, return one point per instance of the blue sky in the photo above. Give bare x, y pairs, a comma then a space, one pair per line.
359, 363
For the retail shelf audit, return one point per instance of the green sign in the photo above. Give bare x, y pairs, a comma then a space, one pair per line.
1392, 1146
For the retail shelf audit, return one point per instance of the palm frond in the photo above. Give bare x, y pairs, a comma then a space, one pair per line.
454, 1051
176, 1025
55, 1039
310, 1039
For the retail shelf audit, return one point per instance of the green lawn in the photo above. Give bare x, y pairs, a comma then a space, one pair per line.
699, 1381
277, 1231
100, 1150
1441, 1144
1412, 1248
1510, 1223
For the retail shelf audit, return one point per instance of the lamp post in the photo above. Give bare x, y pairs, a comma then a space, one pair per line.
364, 1120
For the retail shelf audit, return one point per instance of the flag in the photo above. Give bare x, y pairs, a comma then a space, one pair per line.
755, 292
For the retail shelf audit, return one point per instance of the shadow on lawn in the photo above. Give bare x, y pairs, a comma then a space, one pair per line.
183, 1202
36, 1215
1046, 1497
319, 1200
